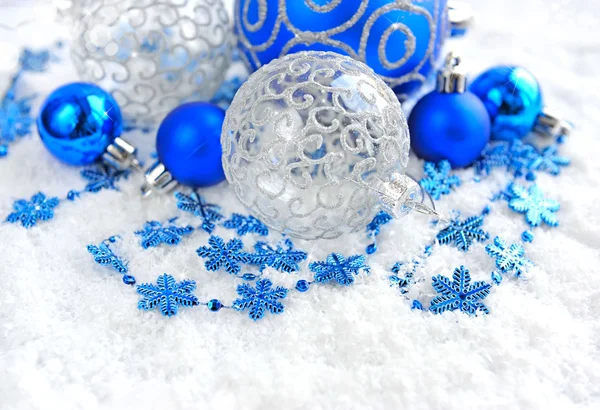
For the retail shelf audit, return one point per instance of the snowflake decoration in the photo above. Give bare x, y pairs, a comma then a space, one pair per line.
104, 256
260, 299
514, 155
463, 233
102, 176
15, 117
547, 160
230, 256
380, 219
154, 233
508, 258
533, 204
404, 282
284, 257
339, 268
437, 180
195, 204
459, 293
246, 224
39, 208
34, 61
167, 295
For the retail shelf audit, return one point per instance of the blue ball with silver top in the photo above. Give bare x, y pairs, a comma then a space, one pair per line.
514, 102
449, 123
78, 121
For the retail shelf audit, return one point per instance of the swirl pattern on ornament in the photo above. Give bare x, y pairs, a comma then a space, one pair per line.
400, 39
306, 136
153, 55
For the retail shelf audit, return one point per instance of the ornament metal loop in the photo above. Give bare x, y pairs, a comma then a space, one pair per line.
449, 79
158, 179
122, 155
550, 125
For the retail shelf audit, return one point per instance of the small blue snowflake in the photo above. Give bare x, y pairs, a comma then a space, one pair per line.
230, 256
15, 118
339, 268
460, 293
403, 282
533, 204
102, 176
246, 224
380, 219
154, 233
548, 160
437, 180
167, 295
105, 256
39, 208
260, 299
513, 155
283, 258
463, 233
34, 61
195, 204
508, 258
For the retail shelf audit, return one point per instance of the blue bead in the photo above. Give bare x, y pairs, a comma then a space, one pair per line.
302, 285
496, 277
513, 99
249, 276
78, 121
3, 150
527, 236
452, 126
128, 280
411, 38
188, 143
371, 249
214, 305
72, 195
416, 305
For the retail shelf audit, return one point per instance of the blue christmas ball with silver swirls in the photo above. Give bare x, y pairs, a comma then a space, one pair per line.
513, 99
78, 121
188, 145
400, 40
449, 123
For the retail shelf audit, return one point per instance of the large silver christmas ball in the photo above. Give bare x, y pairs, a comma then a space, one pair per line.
307, 141
152, 55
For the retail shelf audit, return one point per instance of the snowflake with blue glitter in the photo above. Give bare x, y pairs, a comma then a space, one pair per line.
533, 204
167, 295
36, 61
459, 293
15, 119
28, 213
195, 204
337, 267
154, 233
246, 224
437, 180
284, 257
105, 256
508, 258
463, 233
514, 155
547, 160
405, 281
102, 176
260, 299
220, 255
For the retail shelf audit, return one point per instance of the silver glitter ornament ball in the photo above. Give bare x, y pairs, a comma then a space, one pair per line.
152, 55
308, 141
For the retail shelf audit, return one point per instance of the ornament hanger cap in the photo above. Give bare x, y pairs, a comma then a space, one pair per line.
449, 78
158, 179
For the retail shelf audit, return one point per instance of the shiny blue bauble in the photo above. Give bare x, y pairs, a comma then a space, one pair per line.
401, 41
513, 99
78, 121
188, 143
452, 126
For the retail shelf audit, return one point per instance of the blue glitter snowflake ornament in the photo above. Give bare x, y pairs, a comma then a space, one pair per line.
15, 118
167, 295
229, 256
154, 233
246, 224
28, 213
339, 268
102, 176
261, 299
459, 293
463, 233
508, 258
195, 204
284, 257
437, 180
547, 160
104, 256
533, 204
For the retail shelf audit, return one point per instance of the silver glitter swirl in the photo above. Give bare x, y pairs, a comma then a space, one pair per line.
370, 48
304, 139
153, 55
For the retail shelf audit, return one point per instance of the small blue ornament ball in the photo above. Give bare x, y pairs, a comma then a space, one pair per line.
188, 144
452, 126
78, 121
513, 99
